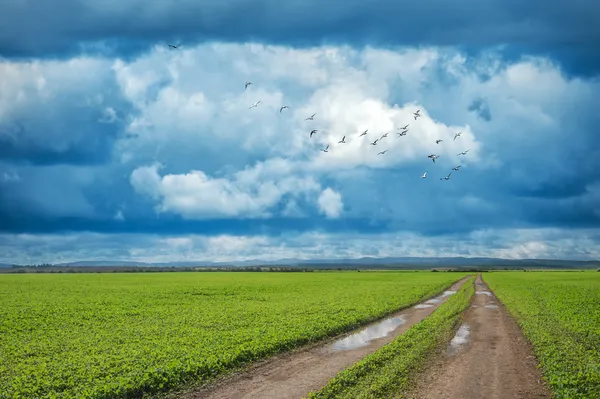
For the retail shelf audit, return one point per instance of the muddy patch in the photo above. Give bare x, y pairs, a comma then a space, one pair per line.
460, 339
364, 337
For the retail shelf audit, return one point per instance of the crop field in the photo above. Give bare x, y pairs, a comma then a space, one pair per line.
126, 335
559, 313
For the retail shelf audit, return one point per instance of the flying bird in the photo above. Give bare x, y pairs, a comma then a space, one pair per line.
342, 141
424, 175
313, 132
310, 118
255, 104
447, 177
405, 127
433, 157
248, 83
363, 133
282, 108
326, 148
383, 136
456, 167
438, 141
457, 135
402, 133
463, 153
382, 152
173, 46
417, 114
375, 142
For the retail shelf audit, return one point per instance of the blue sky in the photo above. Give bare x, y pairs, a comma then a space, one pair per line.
113, 145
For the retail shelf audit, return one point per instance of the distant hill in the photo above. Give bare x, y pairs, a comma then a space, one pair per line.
400, 262
5, 265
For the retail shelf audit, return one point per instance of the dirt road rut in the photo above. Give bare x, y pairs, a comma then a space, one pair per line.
294, 375
489, 358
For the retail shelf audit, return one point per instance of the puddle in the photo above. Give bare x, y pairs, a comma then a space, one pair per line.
484, 293
370, 333
423, 306
384, 328
491, 306
460, 338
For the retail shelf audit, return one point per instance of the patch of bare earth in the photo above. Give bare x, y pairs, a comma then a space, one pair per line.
295, 374
489, 358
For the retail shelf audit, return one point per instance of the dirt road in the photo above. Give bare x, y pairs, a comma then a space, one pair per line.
294, 375
489, 358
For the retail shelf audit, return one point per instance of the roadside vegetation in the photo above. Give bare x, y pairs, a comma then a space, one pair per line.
559, 313
129, 335
387, 372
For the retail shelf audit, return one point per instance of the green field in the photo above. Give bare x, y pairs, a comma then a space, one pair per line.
559, 313
122, 335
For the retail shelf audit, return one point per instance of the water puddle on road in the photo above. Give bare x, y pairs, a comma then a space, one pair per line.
370, 333
461, 338
491, 306
484, 293
383, 328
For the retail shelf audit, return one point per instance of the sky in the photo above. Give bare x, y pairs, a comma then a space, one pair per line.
114, 145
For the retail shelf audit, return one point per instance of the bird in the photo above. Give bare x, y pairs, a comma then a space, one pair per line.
457, 135
173, 46
248, 83
447, 177
417, 114
438, 141
326, 148
255, 104
433, 157
424, 175
310, 118
363, 133
463, 153
456, 167
342, 141
403, 133
405, 127
313, 132
375, 142
282, 108
382, 152
383, 136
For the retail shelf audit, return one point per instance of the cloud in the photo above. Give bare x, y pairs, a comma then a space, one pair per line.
49, 111
249, 194
567, 31
330, 203
508, 244
166, 144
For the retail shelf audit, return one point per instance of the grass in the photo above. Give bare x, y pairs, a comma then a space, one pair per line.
129, 335
559, 313
387, 372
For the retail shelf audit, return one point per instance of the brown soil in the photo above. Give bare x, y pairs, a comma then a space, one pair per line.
295, 374
495, 362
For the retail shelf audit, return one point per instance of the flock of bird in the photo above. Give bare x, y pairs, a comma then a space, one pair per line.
402, 132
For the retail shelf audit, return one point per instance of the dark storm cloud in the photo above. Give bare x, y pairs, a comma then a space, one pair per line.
568, 31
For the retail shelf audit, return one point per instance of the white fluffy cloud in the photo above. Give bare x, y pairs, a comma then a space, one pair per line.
248, 194
330, 203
